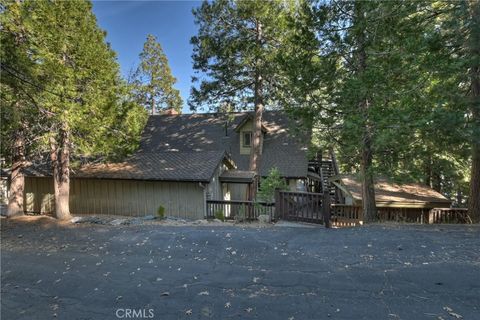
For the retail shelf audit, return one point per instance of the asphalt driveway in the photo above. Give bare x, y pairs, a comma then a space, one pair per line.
199, 272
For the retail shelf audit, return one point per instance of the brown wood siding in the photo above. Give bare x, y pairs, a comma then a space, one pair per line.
119, 197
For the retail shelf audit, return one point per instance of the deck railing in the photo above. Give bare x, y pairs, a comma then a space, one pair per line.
303, 206
242, 210
346, 215
449, 215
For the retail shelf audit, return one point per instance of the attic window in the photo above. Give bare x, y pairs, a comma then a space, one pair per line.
247, 139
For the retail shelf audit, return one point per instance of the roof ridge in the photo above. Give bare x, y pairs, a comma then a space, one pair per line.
211, 113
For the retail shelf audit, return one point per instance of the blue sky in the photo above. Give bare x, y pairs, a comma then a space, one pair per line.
127, 24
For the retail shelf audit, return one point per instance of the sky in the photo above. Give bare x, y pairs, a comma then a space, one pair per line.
127, 24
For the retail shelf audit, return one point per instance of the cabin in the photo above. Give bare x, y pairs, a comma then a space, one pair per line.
194, 166
183, 161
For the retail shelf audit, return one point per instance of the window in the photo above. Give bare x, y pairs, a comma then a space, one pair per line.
247, 139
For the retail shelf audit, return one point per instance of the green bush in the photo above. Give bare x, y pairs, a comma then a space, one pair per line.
219, 215
269, 184
161, 212
240, 215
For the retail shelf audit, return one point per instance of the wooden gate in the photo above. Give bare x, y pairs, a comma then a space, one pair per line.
302, 206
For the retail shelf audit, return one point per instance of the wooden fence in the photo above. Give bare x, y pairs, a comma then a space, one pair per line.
316, 208
346, 215
299, 206
449, 215
242, 210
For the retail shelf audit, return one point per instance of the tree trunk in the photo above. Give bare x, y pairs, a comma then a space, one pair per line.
256, 151
474, 45
17, 180
474, 197
368, 186
428, 171
368, 183
152, 98
60, 157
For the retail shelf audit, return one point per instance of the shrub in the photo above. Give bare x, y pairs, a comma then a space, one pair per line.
269, 184
220, 216
161, 212
240, 215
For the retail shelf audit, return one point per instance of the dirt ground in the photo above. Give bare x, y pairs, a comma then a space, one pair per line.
52, 270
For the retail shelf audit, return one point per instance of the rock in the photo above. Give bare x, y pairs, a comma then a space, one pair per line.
149, 217
117, 222
264, 218
77, 219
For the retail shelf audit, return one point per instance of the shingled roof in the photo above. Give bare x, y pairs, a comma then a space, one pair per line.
391, 194
165, 166
189, 147
216, 132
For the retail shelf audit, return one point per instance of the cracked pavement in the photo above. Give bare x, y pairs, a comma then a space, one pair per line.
66, 271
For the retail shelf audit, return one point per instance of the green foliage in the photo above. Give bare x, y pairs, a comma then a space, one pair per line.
161, 212
415, 77
232, 52
64, 74
240, 215
220, 215
153, 80
269, 184
20, 113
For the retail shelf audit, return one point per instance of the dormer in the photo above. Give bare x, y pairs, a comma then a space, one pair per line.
245, 134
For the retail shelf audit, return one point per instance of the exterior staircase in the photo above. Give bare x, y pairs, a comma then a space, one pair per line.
325, 168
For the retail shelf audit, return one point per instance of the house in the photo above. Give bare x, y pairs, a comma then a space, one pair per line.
182, 161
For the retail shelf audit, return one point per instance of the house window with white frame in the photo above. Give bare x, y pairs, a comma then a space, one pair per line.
247, 139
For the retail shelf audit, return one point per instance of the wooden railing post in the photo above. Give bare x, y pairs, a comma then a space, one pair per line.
277, 204
326, 211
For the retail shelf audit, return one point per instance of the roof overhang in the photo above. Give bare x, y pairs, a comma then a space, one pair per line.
237, 176
412, 205
247, 118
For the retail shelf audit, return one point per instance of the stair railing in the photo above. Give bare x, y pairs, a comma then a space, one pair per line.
338, 194
322, 180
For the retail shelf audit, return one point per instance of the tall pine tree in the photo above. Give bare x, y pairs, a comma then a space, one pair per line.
74, 81
239, 48
153, 80
22, 118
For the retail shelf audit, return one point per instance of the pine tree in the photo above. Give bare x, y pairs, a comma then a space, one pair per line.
474, 66
414, 77
80, 81
19, 108
61, 94
153, 80
239, 47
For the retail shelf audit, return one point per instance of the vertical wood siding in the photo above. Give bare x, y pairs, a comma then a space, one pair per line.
119, 197
214, 188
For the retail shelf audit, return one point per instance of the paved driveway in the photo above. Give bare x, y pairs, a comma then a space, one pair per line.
105, 272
